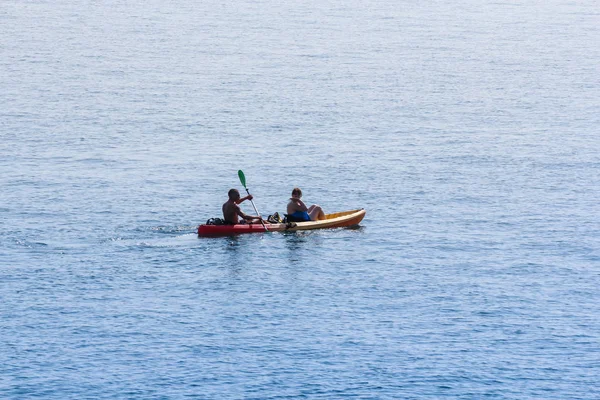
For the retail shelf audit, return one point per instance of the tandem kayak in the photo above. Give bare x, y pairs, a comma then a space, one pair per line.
335, 220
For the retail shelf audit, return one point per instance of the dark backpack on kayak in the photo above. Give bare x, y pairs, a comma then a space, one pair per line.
276, 219
217, 221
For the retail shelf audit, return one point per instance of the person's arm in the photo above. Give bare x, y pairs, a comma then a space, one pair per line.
241, 213
252, 218
246, 216
249, 197
298, 204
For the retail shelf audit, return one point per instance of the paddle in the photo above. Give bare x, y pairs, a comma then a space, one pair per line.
243, 180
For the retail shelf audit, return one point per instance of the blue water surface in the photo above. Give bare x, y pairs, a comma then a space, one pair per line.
467, 130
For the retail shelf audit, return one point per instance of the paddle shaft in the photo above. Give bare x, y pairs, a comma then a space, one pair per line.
256, 210
243, 181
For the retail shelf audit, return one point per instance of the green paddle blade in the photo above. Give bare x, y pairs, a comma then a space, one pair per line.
242, 177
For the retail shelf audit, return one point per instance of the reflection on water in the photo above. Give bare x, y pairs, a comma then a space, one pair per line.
295, 242
233, 243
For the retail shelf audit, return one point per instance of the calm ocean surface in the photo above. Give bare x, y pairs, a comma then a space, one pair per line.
468, 130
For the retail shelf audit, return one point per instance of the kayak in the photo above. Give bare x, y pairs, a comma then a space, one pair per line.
335, 220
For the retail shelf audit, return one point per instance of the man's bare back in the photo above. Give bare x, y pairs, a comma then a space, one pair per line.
231, 210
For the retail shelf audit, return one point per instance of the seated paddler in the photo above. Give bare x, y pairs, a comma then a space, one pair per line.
297, 211
232, 211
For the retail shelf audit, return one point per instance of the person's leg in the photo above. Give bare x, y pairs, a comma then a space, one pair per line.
316, 212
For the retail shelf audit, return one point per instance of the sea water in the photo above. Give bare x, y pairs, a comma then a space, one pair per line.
469, 131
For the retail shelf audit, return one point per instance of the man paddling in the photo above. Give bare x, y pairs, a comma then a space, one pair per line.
231, 210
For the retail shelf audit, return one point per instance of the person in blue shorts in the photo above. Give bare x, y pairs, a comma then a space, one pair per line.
298, 212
